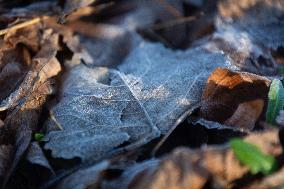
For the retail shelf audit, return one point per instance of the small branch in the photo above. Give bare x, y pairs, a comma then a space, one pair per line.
170, 9
22, 25
173, 23
57, 124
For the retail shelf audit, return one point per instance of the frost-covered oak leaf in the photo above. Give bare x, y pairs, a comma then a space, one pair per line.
102, 108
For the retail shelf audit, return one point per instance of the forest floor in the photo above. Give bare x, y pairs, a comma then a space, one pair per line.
146, 94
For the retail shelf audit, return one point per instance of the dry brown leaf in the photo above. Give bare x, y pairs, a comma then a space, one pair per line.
246, 114
275, 180
239, 8
185, 168
178, 170
234, 98
24, 103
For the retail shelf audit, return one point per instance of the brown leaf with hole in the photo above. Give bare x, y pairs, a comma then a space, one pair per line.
234, 98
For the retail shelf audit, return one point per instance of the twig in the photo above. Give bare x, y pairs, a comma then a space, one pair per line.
176, 124
83, 11
159, 37
22, 25
169, 8
58, 125
172, 23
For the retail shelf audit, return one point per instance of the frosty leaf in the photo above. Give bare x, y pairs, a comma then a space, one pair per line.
36, 156
5, 154
84, 178
248, 31
275, 100
103, 108
109, 42
261, 19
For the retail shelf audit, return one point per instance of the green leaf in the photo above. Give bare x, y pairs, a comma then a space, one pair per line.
251, 156
39, 136
275, 101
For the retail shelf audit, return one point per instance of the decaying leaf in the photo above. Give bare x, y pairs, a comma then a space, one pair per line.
185, 168
5, 154
30, 92
111, 40
107, 44
178, 170
275, 101
248, 31
234, 98
85, 178
35, 156
144, 97
275, 180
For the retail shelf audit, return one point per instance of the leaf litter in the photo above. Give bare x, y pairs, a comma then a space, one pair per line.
99, 81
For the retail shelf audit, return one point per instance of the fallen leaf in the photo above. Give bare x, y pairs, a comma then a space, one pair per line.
275, 180
106, 44
143, 14
31, 75
5, 154
242, 29
246, 114
234, 98
177, 170
145, 96
36, 156
24, 105
85, 178
186, 168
